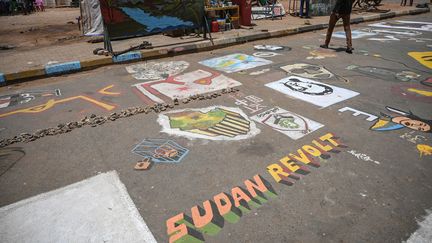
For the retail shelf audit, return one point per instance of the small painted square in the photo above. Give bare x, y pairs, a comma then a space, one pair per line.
160, 150
287, 122
235, 62
314, 92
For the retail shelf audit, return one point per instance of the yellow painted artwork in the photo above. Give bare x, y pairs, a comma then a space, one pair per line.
424, 58
424, 149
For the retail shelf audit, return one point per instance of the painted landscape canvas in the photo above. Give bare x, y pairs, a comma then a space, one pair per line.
130, 18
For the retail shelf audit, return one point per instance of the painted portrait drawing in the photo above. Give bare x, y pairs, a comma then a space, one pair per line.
314, 92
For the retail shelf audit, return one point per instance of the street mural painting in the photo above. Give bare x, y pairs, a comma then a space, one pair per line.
385, 73
287, 122
425, 58
356, 34
271, 48
413, 138
213, 123
184, 85
419, 40
210, 217
52, 102
400, 24
265, 54
401, 120
369, 118
314, 92
397, 32
235, 62
427, 82
129, 18
416, 92
385, 39
424, 149
156, 70
160, 150
363, 157
259, 72
321, 54
251, 103
25, 97
308, 71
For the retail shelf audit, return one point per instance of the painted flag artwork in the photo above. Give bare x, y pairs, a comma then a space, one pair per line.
235, 62
287, 122
314, 92
129, 18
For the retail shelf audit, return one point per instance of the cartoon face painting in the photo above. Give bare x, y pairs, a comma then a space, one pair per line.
402, 120
308, 88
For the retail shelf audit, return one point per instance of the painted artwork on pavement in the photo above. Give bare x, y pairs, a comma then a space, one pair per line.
401, 120
321, 54
235, 62
265, 54
214, 123
160, 150
416, 92
369, 118
385, 73
251, 103
156, 70
397, 32
427, 82
401, 24
25, 97
314, 92
356, 34
308, 71
424, 149
184, 85
425, 58
287, 122
271, 47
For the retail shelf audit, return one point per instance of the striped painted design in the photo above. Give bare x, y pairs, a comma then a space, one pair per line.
232, 125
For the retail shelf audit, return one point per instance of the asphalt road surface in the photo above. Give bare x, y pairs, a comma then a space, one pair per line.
316, 146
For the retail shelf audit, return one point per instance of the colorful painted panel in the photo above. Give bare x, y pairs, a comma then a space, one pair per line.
185, 85
214, 123
160, 150
129, 18
156, 70
287, 122
314, 92
400, 120
235, 62
425, 58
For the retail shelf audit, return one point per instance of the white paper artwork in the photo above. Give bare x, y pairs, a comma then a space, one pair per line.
235, 62
409, 25
287, 122
314, 92
156, 70
355, 34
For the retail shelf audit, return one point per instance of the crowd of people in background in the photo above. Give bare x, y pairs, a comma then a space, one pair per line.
11, 7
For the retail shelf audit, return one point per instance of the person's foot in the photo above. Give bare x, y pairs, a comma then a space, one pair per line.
308, 17
349, 50
324, 46
301, 17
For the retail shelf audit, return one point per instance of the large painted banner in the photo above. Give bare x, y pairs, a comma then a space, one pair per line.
129, 18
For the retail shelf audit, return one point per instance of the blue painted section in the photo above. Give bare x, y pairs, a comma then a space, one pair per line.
62, 67
2, 78
155, 24
127, 56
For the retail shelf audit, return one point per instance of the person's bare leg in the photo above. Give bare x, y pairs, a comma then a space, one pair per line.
346, 23
332, 22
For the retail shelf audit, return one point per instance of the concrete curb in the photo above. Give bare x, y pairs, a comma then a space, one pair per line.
76, 66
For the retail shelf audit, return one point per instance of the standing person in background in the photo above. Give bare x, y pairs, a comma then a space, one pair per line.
304, 14
342, 10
